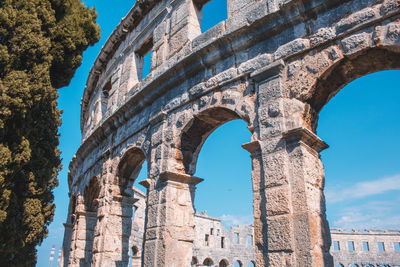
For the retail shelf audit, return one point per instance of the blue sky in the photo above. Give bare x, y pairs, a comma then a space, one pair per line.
361, 124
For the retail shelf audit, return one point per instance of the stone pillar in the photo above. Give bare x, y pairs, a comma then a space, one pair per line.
111, 244
66, 244
184, 25
259, 203
288, 179
311, 236
68, 232
82, 236
170, 224
290, 227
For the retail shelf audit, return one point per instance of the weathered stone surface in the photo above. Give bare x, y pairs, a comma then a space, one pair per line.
362, 247
273, 64
356, 19
356, 43
291, 48
221, 244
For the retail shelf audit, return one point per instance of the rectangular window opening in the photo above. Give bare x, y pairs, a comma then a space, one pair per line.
208, 17
143, 54
365, 246
107, 88
351, 245
381, 246
211, 231
104, 98
397, 246
236, 238
250, 240
222, 242
207, 240
336, 246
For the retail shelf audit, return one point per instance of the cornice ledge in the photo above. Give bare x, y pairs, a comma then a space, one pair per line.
146, 183
157, 118
252, 147
305, 136
86, 213
180, 178
127, 199
271, 70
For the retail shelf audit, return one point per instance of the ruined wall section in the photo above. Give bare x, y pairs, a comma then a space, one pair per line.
213, 241
373, 247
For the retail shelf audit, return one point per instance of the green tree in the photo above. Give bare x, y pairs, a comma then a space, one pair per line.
41, 46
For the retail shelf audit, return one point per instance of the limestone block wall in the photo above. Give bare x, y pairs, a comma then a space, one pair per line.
273, 64
366, 248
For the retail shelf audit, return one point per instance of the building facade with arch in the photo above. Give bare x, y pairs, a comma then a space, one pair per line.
273, 64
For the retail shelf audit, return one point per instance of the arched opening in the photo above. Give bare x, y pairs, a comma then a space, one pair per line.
223, 201
197, 131
348, 70
135, 251
339, 265
252, 264
226, 192
208, 262
129, 169
135, 257
91, 195
130, 195
238, 263
361, 126
353, 265
223, 263
194, 262
361, 180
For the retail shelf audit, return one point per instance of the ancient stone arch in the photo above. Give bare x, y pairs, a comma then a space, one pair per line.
196, 130
194, 262
273, 64
223, 263
128, 169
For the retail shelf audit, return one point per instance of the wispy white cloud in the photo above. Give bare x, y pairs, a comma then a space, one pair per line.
230, 220
363, 189
367, 221
368, 216
373, 214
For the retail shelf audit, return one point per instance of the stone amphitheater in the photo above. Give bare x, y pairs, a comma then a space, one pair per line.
214, 245
273, 64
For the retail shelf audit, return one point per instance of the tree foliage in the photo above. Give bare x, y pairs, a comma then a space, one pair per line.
41, 46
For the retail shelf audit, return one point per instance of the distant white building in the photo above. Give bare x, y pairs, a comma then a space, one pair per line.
216, 246
368, 248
